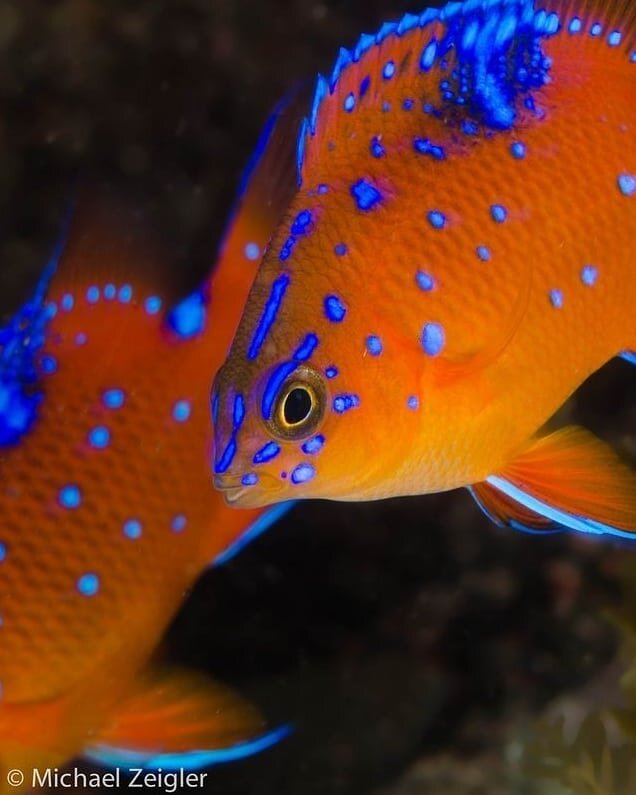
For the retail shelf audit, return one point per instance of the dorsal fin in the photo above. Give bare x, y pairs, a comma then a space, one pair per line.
467, 62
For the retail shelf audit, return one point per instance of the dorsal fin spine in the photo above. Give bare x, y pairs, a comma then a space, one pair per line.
365, 43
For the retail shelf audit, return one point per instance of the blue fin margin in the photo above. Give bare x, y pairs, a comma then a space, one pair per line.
567, 521
109, 756
262, 524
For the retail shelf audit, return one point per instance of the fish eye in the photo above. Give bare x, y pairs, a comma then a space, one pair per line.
299, 406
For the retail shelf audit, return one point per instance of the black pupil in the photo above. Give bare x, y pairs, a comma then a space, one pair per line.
297, 406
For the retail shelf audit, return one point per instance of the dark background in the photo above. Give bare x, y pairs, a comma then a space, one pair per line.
409, 641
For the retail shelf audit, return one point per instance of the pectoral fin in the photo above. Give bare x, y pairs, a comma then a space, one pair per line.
569, 479
178, 719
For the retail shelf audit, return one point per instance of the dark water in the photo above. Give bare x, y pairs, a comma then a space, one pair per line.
410, 642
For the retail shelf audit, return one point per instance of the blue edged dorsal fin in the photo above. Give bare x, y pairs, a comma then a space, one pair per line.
21, 339
469, 62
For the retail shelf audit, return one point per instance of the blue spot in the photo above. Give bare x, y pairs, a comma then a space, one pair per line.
413, 402
252, 251
614, 38
187, 319
110, 292
433, 339
81, 338
250, 479
70, 496
389, 70
181, 410
322, 189
92, 294
498, 213
334, 309
302, 473
3, 552
67, 302
518, 150
589, 275
556, 298
342, 403
425, 147
113, 398
596, 29
425, 281
340, 249
99, 437
469, 127
377, 150
627, 184
268, 317
428, 56
314, 445
331, 372
436, 219
386, 107
132, 528
364, 86
365, 195
302, 223
88, 584
152, 304
349, 103
48, 364
408, 104
374, 345
125, 293
575, 25
266, 453
178, 523
483, 252
306, 348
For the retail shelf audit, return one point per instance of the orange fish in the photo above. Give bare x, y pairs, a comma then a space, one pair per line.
108, 515
457, 258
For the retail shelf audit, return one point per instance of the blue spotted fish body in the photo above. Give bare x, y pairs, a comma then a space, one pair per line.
107, 512
457, 258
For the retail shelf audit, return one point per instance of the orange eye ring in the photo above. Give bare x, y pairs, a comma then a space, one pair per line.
299, 406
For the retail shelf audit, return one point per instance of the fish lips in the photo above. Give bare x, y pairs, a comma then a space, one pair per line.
238, 495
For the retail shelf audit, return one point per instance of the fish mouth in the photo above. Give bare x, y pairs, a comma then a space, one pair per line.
239, 496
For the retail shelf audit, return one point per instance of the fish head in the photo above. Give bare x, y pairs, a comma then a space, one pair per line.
300, 405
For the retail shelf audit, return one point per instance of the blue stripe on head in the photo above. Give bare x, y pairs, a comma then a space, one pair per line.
266, 453
223, 463
274, 383
306, 348
268, 317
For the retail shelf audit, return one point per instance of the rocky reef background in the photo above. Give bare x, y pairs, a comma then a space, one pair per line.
410, 642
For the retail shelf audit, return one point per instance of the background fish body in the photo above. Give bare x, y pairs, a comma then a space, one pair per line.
107, 511
460, 249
